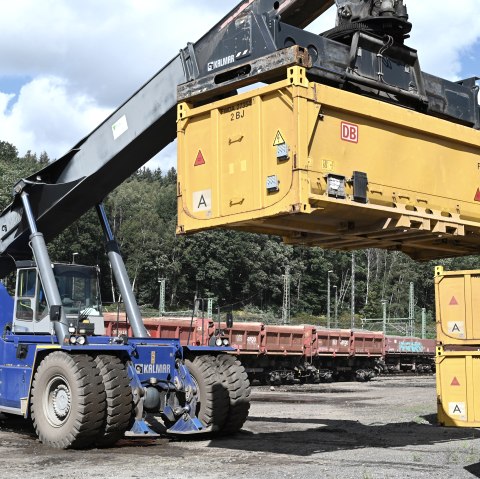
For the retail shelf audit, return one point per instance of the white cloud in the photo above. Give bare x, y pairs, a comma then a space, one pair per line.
46, 116
107, 48
443, 32
85, 58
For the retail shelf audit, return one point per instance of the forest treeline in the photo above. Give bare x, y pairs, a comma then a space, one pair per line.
240, 270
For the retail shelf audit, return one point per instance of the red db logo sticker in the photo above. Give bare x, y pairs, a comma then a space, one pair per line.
349, 132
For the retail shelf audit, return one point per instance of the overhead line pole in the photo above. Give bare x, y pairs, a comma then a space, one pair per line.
353, 290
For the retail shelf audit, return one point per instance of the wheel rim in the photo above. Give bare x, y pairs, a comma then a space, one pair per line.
196, 395
57, 401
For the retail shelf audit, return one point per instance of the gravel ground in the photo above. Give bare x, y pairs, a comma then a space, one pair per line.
382, 429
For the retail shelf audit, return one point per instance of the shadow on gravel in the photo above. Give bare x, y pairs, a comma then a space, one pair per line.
336, 435
474, 469
431, 419
17, 424
23, 429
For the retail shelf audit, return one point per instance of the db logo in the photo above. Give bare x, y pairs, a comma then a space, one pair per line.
349, 132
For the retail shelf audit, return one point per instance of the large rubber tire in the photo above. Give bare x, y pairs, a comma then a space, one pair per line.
212, 397
119, 400
68, 401
235, 379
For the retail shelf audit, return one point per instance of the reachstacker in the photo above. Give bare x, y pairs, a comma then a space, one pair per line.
349, 145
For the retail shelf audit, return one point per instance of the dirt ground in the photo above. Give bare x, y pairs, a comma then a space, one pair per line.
382, 429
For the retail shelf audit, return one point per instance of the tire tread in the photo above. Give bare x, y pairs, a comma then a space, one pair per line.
88, 415
235, 380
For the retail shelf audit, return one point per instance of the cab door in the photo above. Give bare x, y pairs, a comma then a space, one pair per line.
30, 303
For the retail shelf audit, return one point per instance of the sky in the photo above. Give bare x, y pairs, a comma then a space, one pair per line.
65, 65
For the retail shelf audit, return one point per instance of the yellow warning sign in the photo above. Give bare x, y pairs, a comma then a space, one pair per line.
279, 140
455, 382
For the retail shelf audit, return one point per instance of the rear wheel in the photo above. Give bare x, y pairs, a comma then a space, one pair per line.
235, 380
212, 397
68, 401
119, 401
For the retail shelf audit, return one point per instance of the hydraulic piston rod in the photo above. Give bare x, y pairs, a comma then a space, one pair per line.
121, 276
44, 266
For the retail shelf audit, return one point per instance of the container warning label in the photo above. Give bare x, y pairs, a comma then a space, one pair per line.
202, 200
453, 301
200, 160
327, 165
279, 139
458, 410
456, 328
455, 382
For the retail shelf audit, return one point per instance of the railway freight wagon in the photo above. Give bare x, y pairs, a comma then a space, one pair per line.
408, 354
348, 354
278, 354
196, 333
274, 354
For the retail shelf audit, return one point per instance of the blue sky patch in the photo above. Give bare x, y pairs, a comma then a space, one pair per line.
471, 61
13, 84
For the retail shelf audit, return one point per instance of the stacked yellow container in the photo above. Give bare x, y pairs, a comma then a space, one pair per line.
457, 297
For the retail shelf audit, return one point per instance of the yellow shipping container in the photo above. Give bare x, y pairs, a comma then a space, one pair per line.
457, 302
458, 388
321, 166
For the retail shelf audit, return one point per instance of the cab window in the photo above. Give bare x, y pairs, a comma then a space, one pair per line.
42, 309
26, 286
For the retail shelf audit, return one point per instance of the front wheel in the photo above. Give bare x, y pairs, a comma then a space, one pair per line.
68, 401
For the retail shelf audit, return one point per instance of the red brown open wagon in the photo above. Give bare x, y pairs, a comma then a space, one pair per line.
408, 354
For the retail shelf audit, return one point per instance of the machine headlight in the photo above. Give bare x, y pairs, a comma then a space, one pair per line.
225, 342
73, 340
81, 340
218, 341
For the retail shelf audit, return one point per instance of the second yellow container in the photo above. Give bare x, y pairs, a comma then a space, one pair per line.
457, 298
458, 388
